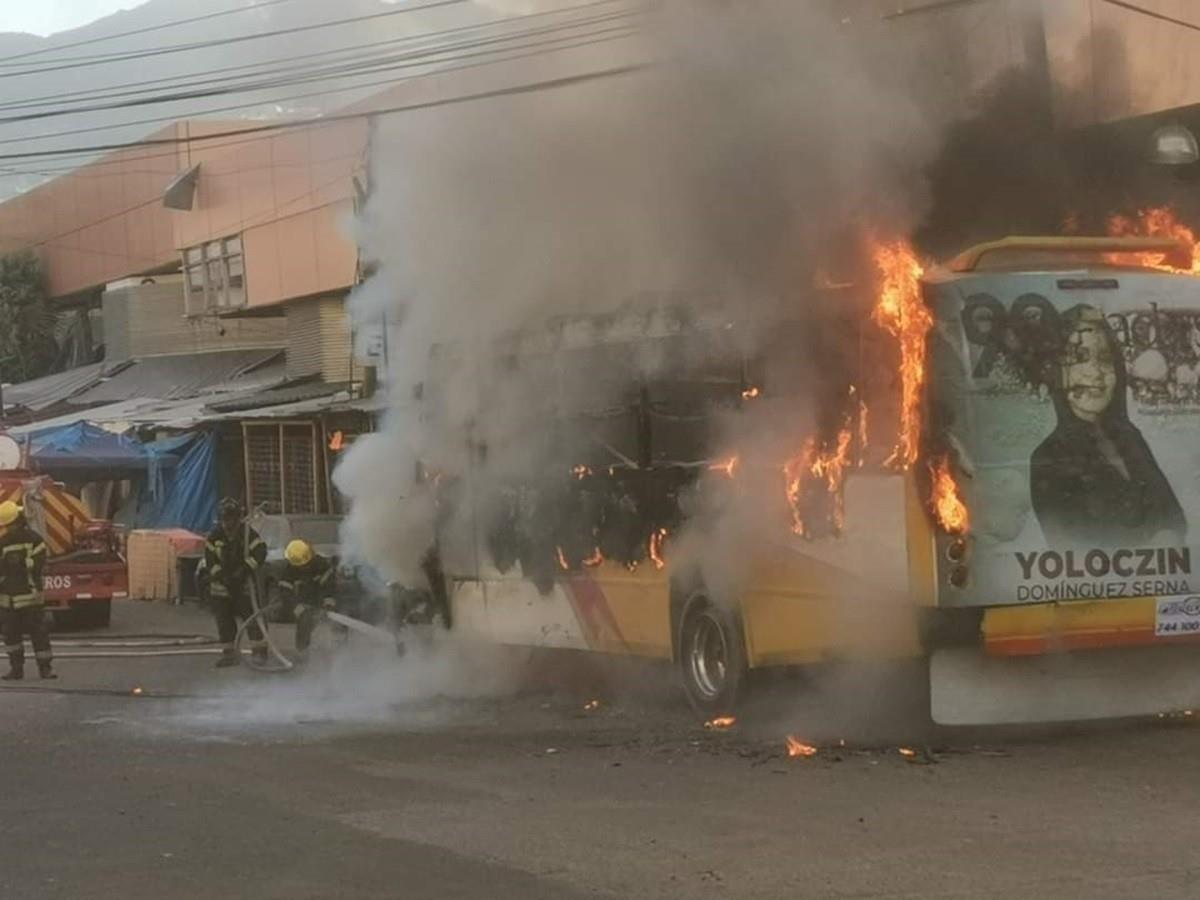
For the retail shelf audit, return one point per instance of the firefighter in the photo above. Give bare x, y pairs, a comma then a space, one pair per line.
306, 586
22, 610
233, 555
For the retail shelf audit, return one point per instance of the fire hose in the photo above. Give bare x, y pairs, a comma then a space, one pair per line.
275, 661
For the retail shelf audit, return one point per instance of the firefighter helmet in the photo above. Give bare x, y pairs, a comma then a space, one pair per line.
9, 513
299, 553
228, 508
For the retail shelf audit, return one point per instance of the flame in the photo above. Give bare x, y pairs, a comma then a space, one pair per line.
908, 752
137, 692
720, 723
796, 748
948, 505
337, 441
656, 547
750, 393
595, 559
562, 560
1161, 222
591, 706
901, 310
728, 466
581, 472
827, 467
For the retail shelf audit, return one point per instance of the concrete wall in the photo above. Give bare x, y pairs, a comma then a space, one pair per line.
100, 223
148, 320
1109, 62
290, 195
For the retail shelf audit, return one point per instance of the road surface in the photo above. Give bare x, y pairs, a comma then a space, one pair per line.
449, 776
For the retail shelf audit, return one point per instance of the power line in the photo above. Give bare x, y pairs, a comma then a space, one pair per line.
1162, 17
532, 87
387, 82
371, 66
355, 50
84, 62
261, 4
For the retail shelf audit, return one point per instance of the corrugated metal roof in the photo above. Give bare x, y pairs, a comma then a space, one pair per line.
288, 393
195, 411
178, 377
41, 393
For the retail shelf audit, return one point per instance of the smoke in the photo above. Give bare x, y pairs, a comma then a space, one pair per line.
711, 183
369, 685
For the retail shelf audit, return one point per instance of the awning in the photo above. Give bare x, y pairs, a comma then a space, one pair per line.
84, 449
194, 411
182, 375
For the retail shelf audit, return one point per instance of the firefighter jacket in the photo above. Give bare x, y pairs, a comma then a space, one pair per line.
230, 561
22, 558
308, 584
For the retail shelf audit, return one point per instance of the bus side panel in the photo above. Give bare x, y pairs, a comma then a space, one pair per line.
609, 610
845, 596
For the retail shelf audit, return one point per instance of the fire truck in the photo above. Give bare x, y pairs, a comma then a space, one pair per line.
85, 570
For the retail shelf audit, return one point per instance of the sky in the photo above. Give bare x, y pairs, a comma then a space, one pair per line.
49, 16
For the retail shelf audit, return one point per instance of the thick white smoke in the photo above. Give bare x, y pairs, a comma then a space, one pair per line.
718, 174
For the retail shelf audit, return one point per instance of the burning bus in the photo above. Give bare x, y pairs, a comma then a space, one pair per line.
990, 464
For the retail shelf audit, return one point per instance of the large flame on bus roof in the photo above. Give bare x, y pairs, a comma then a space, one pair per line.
1160, 222
948, 505
901, 310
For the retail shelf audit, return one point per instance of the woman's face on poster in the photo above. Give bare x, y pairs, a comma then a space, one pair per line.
1088, 368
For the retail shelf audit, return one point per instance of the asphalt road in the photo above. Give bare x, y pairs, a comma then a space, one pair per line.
445, 775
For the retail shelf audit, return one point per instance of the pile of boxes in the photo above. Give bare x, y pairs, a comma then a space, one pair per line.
153, 558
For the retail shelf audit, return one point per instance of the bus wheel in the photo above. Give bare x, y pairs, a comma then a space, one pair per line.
712, 657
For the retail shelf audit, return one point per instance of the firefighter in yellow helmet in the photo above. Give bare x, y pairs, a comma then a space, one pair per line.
306, 585
22, 609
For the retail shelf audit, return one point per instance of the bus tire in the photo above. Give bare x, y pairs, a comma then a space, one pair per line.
711, 657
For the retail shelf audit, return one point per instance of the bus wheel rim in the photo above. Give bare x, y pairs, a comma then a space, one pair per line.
708, 656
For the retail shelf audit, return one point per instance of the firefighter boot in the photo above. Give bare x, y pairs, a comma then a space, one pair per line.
228, 658
46, 670
16, 664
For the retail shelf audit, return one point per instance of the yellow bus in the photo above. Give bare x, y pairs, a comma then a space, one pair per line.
1026, 529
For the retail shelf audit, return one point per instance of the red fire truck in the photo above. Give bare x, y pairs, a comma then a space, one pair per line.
86, 568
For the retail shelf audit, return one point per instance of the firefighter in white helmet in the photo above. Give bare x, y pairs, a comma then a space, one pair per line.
306, 586
22, 609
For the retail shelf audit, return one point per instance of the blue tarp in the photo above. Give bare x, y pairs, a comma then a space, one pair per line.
184, 496
83, 446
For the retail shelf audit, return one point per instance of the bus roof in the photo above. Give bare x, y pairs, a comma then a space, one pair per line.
1051, 253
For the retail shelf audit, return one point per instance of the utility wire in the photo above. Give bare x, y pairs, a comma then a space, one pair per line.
622, 31
422, 57
242, 133
525, 89
84, 62
261, 4
1153, 14
354, 50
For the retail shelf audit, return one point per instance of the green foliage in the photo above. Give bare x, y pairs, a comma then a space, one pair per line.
27, 345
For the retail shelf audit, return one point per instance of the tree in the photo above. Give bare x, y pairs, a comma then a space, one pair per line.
27, 345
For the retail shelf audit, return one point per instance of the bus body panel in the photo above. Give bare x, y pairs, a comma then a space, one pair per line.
1071, 402
1049, 627
969, 687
